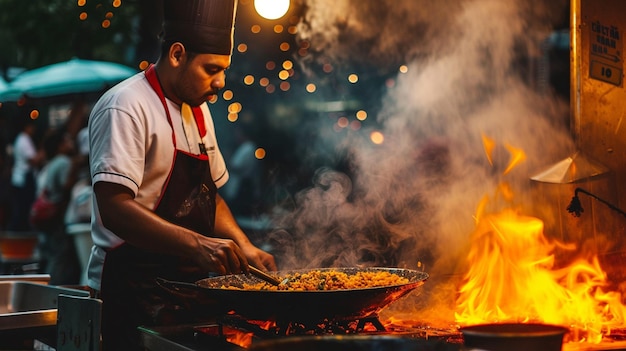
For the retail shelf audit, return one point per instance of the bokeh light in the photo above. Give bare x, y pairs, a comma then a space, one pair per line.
227, 95
361, 115
343, 122
284, 46
259, 153
377, 137
248, 80
283, 75
235, 107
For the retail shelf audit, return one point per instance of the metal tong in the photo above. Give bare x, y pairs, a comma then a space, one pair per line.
262, 275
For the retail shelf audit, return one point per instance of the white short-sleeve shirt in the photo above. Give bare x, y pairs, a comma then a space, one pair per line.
131, 144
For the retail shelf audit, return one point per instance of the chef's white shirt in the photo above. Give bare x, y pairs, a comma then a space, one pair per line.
131, 144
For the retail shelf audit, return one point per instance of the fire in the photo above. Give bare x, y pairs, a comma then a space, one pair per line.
240, 338
489, 145
512, 277
517, 156
245, 338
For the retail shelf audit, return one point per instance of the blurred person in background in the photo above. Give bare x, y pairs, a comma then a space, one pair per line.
26, 161
78, 214
156, 166
5, 175
58, 177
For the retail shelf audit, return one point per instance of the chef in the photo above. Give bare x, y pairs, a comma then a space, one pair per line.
156, 167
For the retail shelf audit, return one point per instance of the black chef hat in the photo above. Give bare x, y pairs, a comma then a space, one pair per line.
203, 26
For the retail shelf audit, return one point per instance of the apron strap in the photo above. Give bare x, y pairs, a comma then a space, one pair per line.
156, 85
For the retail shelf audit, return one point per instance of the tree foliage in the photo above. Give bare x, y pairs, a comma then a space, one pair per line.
34, 33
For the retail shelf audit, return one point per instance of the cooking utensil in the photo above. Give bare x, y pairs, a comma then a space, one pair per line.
263, 276
514, 336
227, 293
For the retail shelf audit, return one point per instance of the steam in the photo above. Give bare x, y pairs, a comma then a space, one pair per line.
412, 199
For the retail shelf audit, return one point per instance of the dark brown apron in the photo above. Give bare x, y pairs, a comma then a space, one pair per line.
129, 291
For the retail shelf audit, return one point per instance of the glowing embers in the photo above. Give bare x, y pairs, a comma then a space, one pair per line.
512, 277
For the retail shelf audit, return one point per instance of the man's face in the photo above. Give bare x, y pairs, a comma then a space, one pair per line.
201, 77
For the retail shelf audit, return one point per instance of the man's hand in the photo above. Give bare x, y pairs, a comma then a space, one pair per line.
222, 256
259, 258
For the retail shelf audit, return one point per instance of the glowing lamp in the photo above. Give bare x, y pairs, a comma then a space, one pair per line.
271, 9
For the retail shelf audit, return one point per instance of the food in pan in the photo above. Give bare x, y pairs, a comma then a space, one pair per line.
330, 280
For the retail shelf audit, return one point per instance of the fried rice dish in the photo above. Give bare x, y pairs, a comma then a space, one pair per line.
330, 280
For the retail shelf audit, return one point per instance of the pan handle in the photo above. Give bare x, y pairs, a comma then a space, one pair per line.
182, 289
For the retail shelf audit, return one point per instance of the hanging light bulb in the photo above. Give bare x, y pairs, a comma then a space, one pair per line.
271, 9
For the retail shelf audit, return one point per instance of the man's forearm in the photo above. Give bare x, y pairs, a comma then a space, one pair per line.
226, 226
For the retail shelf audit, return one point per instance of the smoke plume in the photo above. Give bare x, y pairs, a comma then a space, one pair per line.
411, 200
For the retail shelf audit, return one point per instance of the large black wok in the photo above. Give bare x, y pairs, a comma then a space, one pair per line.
297, 306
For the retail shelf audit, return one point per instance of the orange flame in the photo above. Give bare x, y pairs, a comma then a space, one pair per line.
489, 144
517, 156
241, 339
245, 338
511, 278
